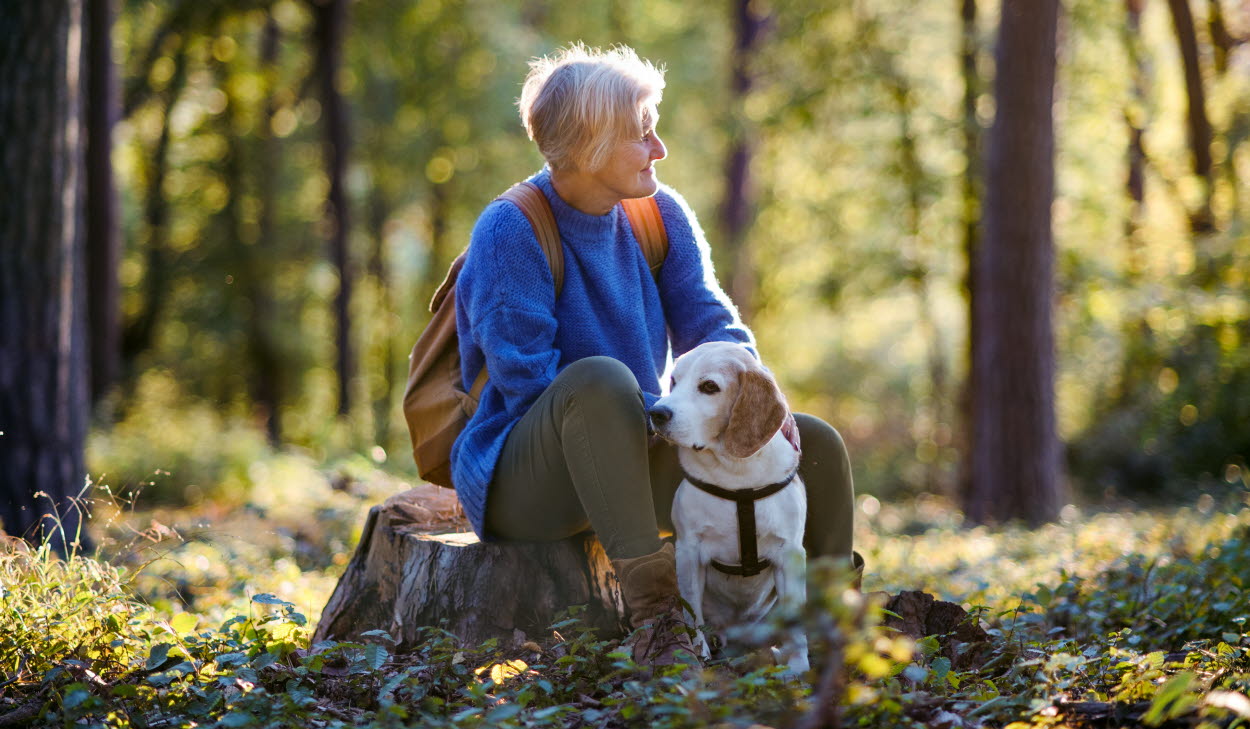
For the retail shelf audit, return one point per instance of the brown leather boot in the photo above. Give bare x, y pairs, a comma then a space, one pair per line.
649, 588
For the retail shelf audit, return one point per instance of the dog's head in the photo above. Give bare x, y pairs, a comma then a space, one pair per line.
721, 398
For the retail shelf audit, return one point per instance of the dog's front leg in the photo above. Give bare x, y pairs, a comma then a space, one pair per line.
691, 578
791, 584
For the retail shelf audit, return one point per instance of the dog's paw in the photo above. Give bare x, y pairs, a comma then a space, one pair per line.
701, 646
793, 662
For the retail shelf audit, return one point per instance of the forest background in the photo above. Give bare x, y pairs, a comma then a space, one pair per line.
833, 153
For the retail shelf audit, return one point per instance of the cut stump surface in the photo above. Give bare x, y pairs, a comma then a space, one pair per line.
402, 579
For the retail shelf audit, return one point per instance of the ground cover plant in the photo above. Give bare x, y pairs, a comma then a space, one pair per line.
1108, 618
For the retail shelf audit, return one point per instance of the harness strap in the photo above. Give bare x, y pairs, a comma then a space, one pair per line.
748, 540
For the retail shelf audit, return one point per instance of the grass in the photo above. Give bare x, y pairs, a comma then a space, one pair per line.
201, 616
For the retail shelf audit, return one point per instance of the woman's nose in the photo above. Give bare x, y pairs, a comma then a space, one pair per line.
658, 150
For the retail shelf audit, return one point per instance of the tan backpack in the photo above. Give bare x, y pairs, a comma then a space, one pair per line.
435, 405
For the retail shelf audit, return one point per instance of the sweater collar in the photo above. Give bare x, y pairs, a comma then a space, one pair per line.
573, 223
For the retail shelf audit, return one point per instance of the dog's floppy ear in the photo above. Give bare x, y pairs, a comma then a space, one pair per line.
757, 413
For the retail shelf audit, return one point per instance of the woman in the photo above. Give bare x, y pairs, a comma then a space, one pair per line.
559, 442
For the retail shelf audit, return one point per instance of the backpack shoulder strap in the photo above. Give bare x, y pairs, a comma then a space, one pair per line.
644, 218
532, 202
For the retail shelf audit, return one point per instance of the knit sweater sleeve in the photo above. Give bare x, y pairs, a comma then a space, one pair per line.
696, 309
506, 296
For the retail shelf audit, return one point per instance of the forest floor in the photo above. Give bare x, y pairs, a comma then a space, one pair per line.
201, 616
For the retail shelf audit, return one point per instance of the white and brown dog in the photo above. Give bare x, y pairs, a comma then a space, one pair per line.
740, 512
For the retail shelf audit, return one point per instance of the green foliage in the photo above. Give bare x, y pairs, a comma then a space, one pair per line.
176, 451
1177, 417
1143, 617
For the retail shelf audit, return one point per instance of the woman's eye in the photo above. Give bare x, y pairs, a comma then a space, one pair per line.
707, 387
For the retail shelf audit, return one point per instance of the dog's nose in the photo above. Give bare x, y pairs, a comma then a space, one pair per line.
660, 416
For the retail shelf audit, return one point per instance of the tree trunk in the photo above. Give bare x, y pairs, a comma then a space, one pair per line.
1198, 126
384, 400
738, 206
1015, 461
44, 395
264, 347
970, 214
1135, 182
331, 25
138, 332
103, 240
402, 580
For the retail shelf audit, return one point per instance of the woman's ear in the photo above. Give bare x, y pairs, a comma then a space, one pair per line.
756, 415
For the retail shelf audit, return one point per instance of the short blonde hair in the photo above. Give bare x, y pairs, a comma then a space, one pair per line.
579, 102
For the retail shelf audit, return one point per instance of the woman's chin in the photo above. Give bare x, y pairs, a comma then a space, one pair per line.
648, 185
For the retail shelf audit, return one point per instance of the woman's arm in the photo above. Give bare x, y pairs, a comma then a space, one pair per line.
505, 302
696, 309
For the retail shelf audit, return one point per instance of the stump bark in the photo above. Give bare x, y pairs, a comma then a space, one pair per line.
920, 615
402, 579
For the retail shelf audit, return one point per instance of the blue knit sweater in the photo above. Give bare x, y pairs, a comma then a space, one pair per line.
509, 319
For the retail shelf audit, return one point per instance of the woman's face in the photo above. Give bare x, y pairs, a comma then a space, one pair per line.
630, 171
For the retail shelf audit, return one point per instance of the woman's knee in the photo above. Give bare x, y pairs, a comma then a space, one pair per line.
601, 382
817, 436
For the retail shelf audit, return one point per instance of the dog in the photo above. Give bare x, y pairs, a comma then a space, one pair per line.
736, 445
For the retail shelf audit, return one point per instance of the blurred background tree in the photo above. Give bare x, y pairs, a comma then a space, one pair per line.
832, 152
44, 388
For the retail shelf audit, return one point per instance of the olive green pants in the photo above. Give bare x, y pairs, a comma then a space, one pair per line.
581, 459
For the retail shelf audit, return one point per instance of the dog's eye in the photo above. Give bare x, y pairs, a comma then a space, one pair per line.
707, 387
672, 383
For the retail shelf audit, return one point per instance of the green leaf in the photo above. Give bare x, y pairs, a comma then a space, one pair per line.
1168, 702
915, 673
501, 713
551, 711
376, 656
267, 599
157, 656
379, 634
75, 696
237, 719
184, 623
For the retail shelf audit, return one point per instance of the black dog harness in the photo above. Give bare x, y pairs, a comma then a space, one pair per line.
748, 546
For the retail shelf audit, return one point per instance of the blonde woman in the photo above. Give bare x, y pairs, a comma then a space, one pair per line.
559, 442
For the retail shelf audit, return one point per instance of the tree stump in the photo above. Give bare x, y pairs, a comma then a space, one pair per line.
403, 578
920, 615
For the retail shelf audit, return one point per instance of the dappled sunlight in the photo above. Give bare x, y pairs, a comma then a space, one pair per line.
919, 545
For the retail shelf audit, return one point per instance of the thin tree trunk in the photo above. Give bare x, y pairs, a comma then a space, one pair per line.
137, 334
330, 27
440, 256
1135, 182
1138, 335
1016, 457
383, 402
44, 379
103, 240
1197, 124
970, 215
738, 207
1222, 42
266, 355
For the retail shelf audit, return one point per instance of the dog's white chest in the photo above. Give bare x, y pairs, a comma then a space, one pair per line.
710, 523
